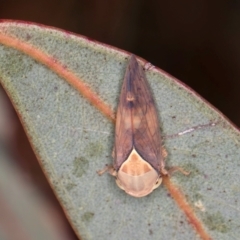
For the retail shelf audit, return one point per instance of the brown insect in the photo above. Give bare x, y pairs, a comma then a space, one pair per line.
138, 158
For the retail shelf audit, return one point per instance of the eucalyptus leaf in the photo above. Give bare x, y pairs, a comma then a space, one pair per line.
72, 139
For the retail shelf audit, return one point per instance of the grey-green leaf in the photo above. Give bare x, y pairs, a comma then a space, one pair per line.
73, 140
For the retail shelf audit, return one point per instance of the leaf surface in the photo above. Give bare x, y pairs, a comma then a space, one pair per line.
73, 139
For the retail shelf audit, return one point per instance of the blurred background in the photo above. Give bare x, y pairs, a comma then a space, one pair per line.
195, 41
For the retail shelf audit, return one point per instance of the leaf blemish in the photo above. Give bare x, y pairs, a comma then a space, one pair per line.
94, 149
81, 165
216, 222
87, 216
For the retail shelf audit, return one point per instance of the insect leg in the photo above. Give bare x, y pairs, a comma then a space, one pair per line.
172, 169
176, 169
162, 163
108, 168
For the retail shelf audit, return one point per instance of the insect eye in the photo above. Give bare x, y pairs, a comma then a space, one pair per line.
158, 182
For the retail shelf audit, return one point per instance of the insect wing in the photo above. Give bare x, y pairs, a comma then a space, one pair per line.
137, 122
123, 129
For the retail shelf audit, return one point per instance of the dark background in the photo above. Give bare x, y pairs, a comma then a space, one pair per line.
195, 41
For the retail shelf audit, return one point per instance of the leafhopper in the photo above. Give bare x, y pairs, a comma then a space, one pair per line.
138, 157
